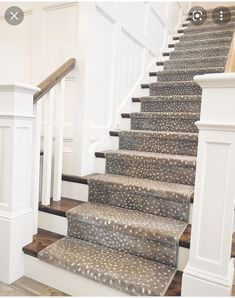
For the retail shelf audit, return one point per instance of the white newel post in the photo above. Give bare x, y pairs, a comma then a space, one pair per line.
16, 216
210, 269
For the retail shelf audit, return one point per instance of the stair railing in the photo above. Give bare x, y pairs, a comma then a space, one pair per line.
51, 94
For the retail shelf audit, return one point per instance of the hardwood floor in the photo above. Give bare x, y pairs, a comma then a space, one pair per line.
28, 287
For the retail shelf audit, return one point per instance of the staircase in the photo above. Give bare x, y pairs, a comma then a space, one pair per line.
127, 236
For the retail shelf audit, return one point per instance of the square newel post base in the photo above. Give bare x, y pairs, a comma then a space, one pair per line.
16, 215
15, 233
201, 284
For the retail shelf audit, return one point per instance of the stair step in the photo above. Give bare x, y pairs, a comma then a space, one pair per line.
135, 99
153, 74
154, 166
205, 52
185, 74
171, 45
206, 35
178, 122
150, 196
176, 38
204, 43
160, 63
77, 179
144, 86
114, 133
44, 238
125, 272
166, 54
159, 142
209, 28
176, 88
195, 63
125, 115
138, 233
60, 207
41, 240
173, 103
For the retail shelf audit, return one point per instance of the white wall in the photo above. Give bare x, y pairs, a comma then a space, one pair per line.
126, 39
114, 43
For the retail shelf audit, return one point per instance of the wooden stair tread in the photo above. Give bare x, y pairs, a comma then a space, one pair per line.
60, 207
41, 240
78, 179
185, 237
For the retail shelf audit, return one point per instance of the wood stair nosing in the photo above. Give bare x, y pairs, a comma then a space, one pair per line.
126, 115
135, 99
144, 86
171, 45
77, 179
166, 54
160, 63
176, 38
152, 73
59, 208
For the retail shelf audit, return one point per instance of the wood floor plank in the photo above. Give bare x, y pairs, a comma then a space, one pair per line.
40, 241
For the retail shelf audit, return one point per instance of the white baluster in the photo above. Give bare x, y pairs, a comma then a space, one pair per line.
59, 139
47, 148
36, 162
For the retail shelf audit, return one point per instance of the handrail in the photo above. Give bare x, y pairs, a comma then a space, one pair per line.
230, 64
54, 78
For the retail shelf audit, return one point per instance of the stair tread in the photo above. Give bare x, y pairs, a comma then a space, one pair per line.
174, 83
198, 59
60, 207
206, 69
130, 222
171, 98
163, 156
41, 240
163, 189
125, 272
162, 134
161, 115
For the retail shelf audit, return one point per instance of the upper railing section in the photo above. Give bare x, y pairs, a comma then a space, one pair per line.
230, 65
54, 78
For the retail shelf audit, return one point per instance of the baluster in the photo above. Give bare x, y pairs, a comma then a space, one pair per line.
59, 140
36, 162
47, 148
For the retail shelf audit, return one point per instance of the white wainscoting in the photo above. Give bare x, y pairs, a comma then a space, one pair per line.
126, 40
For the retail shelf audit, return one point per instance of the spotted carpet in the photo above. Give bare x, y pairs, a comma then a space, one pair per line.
127, 235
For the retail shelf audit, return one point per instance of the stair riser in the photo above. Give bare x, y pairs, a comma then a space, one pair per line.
204, 53
153, 144
195, 37
203, 44
150, 168
115, 239
182, 76
187, 64
155, 89
171, 106
177, 125
145, 201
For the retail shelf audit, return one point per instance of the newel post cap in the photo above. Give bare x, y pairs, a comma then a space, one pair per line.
216, 80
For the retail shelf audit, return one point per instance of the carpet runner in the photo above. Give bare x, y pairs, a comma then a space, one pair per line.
127, 235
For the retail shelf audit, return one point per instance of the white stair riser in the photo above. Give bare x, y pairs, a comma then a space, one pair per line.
72, 284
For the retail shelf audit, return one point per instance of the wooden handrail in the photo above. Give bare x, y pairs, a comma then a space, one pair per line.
54, 78
230, 64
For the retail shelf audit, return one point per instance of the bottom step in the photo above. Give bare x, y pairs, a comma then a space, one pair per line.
95, 262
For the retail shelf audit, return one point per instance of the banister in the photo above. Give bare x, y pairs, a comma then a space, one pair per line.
54, 78
230, 64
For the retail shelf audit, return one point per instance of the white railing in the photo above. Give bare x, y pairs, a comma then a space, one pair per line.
210, 269
48, 137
